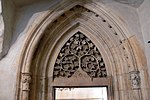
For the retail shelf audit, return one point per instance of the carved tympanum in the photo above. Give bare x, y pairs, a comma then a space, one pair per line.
79, 52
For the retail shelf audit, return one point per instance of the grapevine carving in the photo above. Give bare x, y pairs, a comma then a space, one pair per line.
135, 79
79, 52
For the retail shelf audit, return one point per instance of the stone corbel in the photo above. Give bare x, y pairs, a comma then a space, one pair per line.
135, 79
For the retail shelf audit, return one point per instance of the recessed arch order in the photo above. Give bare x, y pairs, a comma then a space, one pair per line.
45, 40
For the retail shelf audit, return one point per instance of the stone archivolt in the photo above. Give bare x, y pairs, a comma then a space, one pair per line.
41, 55
79, 53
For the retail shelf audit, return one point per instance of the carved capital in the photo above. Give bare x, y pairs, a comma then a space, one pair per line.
135, 79
26, 80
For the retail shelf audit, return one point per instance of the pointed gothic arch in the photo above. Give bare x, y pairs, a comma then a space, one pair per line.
46, 39
79, 53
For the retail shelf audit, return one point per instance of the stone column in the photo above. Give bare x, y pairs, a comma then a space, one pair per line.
26, 80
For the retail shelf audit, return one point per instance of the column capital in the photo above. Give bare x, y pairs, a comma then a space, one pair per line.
135, 79
26, 80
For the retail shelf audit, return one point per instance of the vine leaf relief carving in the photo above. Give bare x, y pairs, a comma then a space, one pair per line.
135, 79
79, 53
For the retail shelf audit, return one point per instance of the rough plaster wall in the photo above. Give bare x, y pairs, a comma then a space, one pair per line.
144, 15
128, 15
8, 71
26, 16
134, 3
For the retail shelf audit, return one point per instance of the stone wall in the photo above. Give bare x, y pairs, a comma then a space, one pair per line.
136, 21
144, 17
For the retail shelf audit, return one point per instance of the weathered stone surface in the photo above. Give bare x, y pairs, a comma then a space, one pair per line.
120, 32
